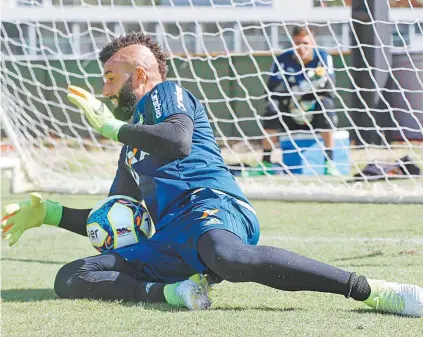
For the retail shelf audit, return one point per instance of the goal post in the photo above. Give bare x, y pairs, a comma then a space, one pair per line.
222, 51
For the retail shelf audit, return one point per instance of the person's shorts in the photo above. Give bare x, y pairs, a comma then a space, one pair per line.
173, 248
323, 119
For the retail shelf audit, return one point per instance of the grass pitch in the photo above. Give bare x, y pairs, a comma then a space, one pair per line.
381, 241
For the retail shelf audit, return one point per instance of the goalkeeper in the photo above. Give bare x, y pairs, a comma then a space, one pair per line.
301, 97
170, 159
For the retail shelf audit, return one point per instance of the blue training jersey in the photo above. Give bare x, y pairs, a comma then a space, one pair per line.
162, 181
291, 73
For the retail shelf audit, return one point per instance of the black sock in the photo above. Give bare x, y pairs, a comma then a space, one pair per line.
266, 157
151, 292
360, 288
329, 154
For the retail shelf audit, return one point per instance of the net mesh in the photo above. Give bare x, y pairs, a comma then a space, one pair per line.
225, 58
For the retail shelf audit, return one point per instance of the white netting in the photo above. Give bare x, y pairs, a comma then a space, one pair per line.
221, 50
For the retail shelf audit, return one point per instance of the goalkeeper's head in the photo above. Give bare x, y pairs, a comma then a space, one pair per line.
303, 40
133, 65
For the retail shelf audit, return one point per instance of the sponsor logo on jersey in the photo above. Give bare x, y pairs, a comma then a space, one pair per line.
208, 212
213, 221
156, 103
180, 98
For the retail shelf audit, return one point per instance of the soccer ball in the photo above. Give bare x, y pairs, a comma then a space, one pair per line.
118, 221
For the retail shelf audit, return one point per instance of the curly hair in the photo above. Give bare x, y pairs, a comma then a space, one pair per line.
136, 38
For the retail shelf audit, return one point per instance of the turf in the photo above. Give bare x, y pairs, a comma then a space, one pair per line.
381, 241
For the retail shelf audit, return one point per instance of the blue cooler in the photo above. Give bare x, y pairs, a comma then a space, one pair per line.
304, 153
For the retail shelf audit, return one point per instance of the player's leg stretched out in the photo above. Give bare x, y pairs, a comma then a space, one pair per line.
233, 260
220, 233
110, 277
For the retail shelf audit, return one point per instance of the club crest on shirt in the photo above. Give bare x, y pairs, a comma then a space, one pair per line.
131, 156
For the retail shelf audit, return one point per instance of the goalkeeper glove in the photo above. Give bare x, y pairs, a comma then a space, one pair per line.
96, 112
17, 218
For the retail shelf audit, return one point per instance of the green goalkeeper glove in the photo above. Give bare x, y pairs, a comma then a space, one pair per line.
17, 218
96, 112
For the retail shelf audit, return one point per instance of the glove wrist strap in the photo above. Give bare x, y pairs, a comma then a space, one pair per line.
54, 213
111, 129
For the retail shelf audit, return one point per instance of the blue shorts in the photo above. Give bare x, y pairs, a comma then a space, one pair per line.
200, 213
156, 262
175, 240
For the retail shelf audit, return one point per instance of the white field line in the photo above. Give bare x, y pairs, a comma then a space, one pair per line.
323, 239
53, 231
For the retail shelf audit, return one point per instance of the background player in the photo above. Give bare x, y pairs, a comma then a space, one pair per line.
171, 157
301, 86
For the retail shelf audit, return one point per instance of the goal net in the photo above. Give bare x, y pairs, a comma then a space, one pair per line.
223, 51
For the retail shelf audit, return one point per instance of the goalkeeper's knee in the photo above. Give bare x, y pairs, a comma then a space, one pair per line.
65, 282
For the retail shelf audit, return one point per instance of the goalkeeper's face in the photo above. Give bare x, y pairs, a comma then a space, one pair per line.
119, 89
304, 45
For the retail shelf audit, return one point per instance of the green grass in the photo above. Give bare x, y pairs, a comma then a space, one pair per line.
363, 238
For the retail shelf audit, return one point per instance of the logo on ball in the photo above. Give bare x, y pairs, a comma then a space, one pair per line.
118, 221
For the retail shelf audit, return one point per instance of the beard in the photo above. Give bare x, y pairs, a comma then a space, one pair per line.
126, 102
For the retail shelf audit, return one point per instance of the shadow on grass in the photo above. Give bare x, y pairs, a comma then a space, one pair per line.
368, 311
169, 308
28, 295
373, 254
164, 307
258, 308
32, 295
34, 261
349, 265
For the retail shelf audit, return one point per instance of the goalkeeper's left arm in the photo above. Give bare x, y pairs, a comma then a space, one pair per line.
31, 213
36, 211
